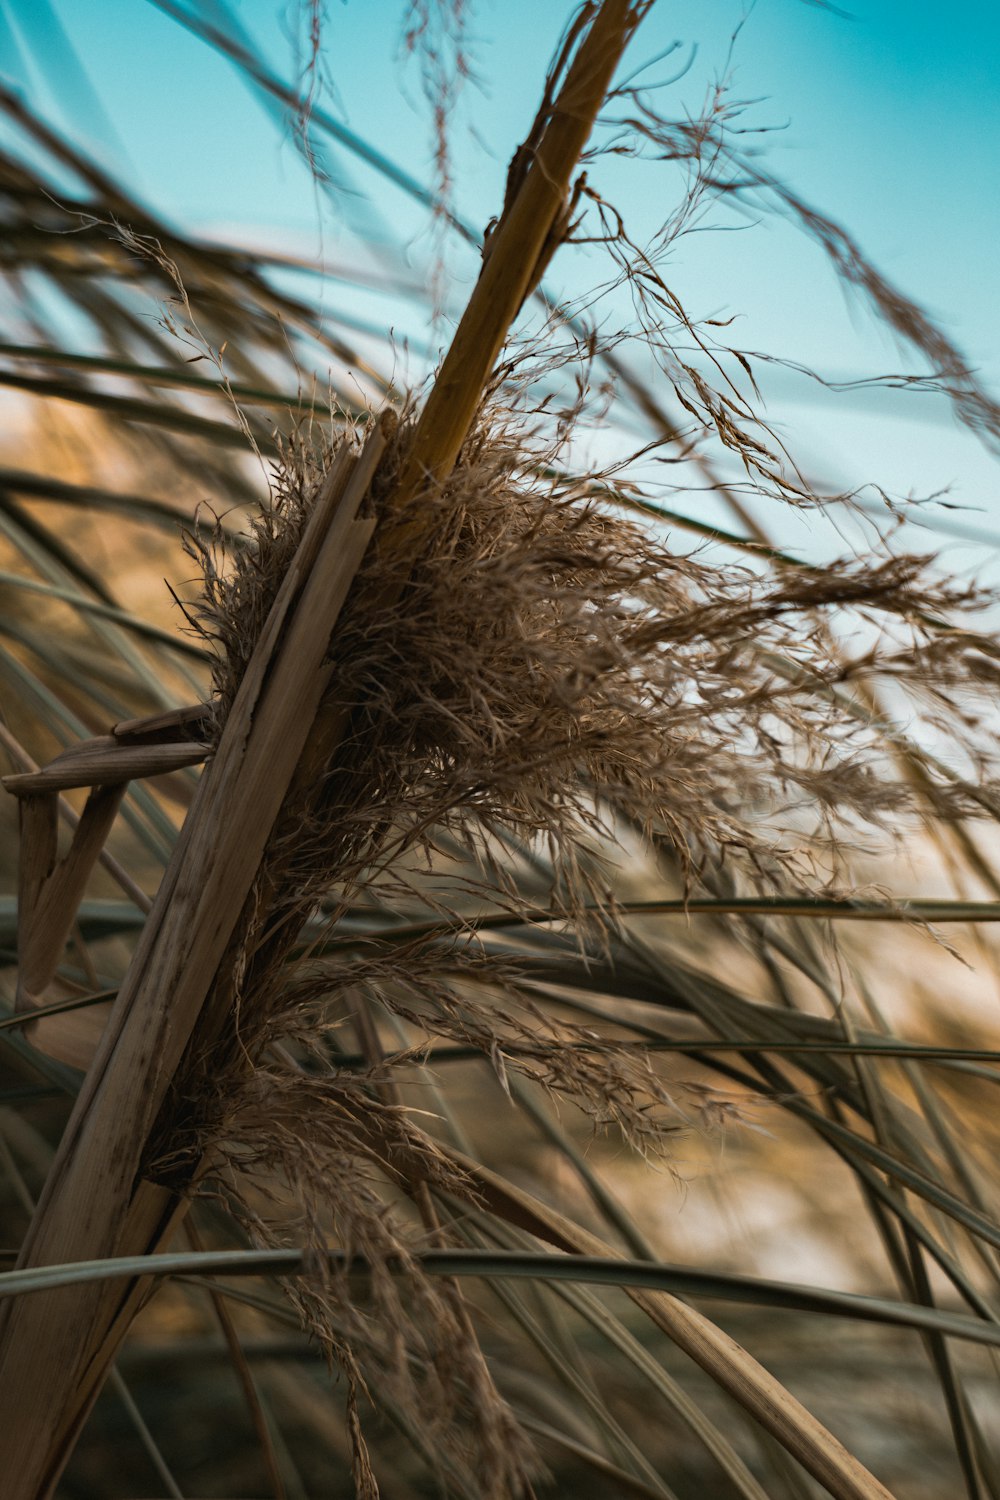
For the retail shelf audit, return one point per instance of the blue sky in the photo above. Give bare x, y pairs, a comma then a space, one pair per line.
887, 120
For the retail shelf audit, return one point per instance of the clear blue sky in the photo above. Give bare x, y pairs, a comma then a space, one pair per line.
890, 122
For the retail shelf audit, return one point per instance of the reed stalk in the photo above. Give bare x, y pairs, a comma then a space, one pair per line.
56, 1350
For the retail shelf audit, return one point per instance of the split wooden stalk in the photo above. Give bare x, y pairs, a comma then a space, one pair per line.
49, 893
55, 1349
119, 875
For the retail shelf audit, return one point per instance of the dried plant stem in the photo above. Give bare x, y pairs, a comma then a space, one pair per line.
55, 1349
530, 227
54, 1352
71, 818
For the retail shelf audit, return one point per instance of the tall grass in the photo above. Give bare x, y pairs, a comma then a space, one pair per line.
507, 890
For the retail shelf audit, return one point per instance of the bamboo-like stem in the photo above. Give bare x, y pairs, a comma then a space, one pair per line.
55, 1349
54, 1355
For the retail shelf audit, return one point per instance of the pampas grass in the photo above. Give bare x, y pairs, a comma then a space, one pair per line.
461, 695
